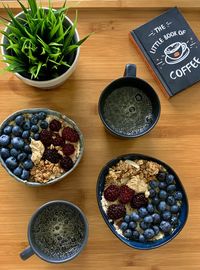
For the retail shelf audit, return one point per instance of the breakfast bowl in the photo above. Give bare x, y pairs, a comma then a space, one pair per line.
39, 147
142, 200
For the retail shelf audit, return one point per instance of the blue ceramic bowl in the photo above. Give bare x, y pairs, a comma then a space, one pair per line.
48, 112
134, 244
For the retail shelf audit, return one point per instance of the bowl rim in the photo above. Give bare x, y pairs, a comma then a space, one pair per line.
59, 115
112, 131
67, 203
123, 239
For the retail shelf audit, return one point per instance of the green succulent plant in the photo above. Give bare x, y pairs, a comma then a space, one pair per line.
40, 45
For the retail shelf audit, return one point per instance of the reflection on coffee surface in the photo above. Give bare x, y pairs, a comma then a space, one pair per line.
128, 111
58, 231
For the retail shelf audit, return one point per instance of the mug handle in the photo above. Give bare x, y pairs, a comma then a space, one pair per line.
184, 46
130, 70
26, 253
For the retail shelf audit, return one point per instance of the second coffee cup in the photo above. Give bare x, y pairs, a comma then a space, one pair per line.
129, 107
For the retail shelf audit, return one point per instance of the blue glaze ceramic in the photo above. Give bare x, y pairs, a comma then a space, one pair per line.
134, 244
34, 249
48, 112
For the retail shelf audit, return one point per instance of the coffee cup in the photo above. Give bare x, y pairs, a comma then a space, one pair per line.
175, 51
129, 107
57, 232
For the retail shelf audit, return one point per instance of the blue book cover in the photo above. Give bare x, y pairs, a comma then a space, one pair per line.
171, 49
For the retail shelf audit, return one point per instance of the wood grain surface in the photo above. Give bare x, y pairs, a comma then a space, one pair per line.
175, 140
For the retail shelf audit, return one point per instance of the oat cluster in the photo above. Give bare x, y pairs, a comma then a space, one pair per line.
45, 171
123, 171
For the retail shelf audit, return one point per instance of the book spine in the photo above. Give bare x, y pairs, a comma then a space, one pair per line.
165, 89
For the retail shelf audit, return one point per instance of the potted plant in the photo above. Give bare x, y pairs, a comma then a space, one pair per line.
41, 45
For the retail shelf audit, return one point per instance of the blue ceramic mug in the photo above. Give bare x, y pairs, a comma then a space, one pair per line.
57, 232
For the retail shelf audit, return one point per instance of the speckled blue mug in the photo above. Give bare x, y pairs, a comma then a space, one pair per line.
57, 232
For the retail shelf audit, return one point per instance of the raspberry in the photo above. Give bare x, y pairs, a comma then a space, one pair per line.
70, 134
111, 193
55, 125
52, 155
116, 211
139, 200
68, 149
66, 163
46, 137
125, 194
58, 141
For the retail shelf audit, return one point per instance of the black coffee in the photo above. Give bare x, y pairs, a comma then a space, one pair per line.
128, 111
58, 232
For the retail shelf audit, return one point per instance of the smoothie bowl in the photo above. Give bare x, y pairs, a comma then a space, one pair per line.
40, 146
142, 200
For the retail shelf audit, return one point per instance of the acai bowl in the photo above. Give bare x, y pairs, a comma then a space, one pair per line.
40, 146
141, 200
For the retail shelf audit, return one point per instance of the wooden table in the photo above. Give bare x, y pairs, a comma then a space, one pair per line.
175, 140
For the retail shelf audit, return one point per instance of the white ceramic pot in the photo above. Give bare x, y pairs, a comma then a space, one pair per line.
48, 84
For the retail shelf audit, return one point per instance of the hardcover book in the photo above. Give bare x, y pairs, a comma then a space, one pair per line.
171, 50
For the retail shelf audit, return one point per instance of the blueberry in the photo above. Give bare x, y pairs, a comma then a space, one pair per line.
17, 142
178, 196
132, 225
162, 185
174, 220
18, 171
19, 120
163, 194
42, 115
17, 131
25, 134
162, 206
5, 153
21, 157
28, 164
142, 212
155, 201
174, 209
171, 188
156, 229
149, 233
4, 140
11, 163
165, 226
161, 176
127, 218
34, 119
14, 152
27, 125
34, 128
150, 208
134, 216
25, 175
153, 183
135, 235
148, 219
44, 124
152, 193
166, 215
169, 179
7, 130
170, 200
144, 225
127, 233
141, 238
27, 149
123, 226
36, 136
156, 218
